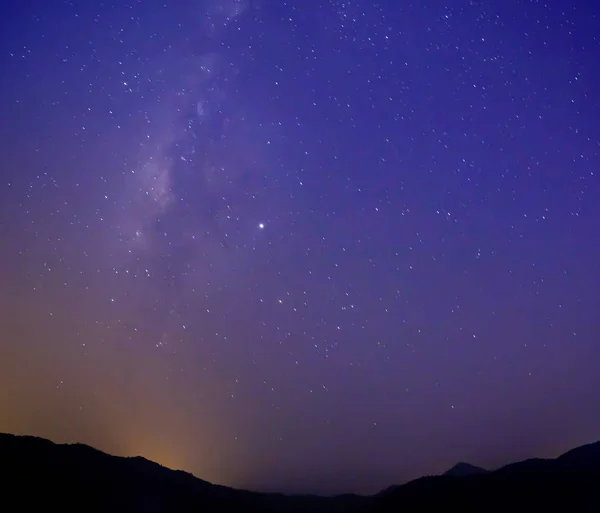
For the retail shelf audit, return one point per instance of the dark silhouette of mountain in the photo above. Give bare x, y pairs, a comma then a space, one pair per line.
567, 483
36, 474
464, 469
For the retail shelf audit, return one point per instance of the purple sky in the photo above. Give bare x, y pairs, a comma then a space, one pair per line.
303, 246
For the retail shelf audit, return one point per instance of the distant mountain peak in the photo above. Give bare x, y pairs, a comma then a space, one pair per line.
463, 469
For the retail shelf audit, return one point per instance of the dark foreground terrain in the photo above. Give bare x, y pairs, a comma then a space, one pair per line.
36, 475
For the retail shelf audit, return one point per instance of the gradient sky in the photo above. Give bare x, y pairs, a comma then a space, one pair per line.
302, 246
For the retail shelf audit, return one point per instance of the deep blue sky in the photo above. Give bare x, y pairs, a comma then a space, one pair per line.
303, 246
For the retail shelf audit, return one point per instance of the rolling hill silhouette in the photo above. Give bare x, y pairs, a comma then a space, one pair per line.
37, 474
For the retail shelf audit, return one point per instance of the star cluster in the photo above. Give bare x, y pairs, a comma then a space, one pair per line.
305, 246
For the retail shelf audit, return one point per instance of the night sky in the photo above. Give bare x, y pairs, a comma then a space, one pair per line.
301, 246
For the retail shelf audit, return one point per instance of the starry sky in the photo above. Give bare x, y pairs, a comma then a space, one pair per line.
302, 245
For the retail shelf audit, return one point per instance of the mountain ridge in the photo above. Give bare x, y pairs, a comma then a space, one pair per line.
70, 476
